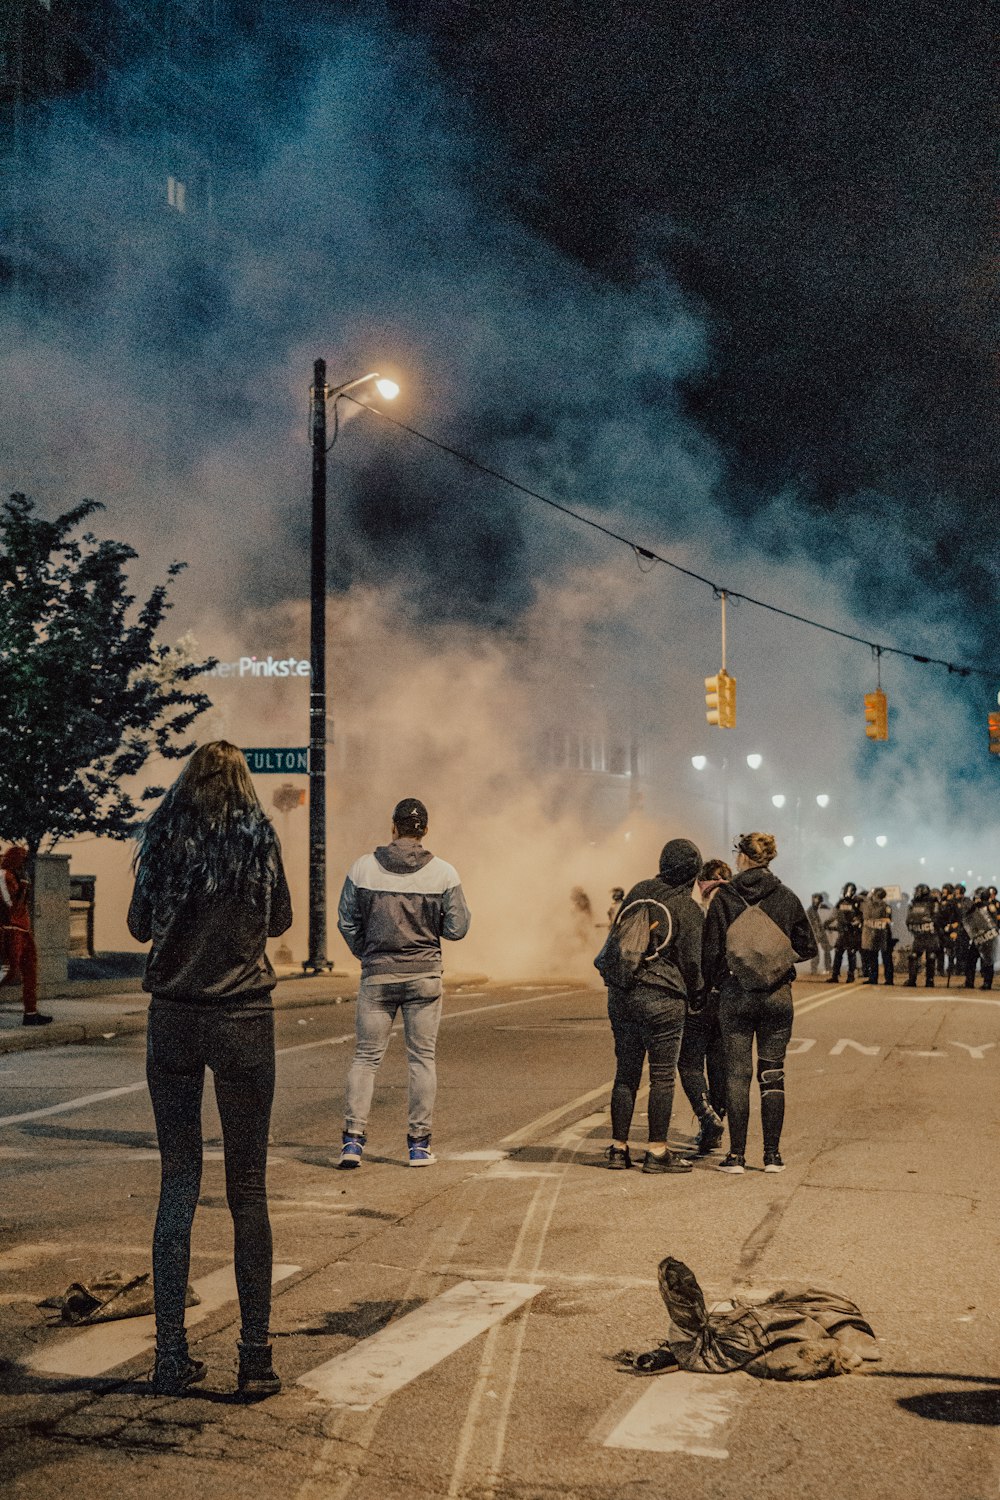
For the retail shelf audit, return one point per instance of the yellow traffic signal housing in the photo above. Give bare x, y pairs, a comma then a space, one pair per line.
720, 700
876, 716
994, 734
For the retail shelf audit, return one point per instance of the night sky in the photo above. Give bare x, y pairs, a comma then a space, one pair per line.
819, 180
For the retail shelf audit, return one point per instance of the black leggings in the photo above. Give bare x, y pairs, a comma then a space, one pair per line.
746, 1014
701, 1051
237, 1043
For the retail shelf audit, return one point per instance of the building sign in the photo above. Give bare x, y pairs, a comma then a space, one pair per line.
261, 666
278, 762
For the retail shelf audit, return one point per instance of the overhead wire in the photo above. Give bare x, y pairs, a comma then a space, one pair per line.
651, 556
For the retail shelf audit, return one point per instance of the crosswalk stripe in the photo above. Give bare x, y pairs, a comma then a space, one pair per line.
679, 1413
379, 1366
95, 1350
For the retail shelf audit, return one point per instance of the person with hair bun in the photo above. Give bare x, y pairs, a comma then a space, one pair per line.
209, 892
750, 1013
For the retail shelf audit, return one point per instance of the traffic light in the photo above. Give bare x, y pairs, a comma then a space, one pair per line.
720, 700
876, 716
995, 734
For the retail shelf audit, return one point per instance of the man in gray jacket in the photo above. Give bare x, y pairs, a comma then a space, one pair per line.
396, 906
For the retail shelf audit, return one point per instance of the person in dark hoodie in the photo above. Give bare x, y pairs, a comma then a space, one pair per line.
745, 1014
396, 906
647, 1018
209, 891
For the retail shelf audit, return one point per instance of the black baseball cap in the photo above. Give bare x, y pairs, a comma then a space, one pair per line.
410, 817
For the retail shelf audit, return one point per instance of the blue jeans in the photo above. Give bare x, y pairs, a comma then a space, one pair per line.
645, 1022
419, 999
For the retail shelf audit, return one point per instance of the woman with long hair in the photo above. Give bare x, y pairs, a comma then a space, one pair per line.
209, 891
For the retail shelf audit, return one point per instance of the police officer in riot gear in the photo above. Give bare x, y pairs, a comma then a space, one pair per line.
921, 920
981, 929
846, 922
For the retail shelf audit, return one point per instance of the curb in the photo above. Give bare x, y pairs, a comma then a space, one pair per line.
65, 1033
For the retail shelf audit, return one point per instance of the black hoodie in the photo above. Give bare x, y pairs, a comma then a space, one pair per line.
756, 886
677, 970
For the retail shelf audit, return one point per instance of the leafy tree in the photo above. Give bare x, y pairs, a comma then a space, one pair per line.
87, 694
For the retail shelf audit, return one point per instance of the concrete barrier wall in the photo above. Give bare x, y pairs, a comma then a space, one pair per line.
50, 919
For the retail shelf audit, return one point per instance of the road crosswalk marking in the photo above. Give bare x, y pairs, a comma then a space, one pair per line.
379, 1366
104, 1346
679, 1413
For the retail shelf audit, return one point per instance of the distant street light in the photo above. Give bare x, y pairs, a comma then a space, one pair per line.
755, 761
849, 839
778, 800
822, 800
319, 397
699, 762
881, 840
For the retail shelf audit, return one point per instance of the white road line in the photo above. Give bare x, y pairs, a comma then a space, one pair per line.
379, 1366
61, 1109
534, 1128
336, 1041
94, 1351
679, 1413
814, 1004
944, 997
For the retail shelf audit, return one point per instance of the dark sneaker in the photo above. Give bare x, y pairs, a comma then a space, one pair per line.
773, 1162
173, 1373
667, 1162
256, 1379
420, 1151
831, 980
618, 1160
351, 1151
659, 1361
733, 1164
35, 1018
710, 1134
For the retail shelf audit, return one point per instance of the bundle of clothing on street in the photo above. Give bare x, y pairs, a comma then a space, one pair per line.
801, 1334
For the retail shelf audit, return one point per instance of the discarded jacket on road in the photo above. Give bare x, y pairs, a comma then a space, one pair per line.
108, 1297
802, 1334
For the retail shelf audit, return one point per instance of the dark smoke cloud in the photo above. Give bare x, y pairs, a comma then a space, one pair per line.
818, 179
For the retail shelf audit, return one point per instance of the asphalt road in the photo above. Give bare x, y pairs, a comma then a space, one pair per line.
456, 1329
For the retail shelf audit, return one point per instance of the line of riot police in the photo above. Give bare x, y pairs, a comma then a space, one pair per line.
941, 931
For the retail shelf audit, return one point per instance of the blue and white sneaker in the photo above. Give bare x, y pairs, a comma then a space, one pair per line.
421, 1154
351, 1151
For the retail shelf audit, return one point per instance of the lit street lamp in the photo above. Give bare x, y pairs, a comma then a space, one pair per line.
778, 800
319, 396
822, 800
755, 761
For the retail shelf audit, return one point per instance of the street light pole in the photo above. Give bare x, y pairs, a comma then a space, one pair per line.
320, 397
317, 959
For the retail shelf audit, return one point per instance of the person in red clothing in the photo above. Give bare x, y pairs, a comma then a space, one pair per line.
18, 955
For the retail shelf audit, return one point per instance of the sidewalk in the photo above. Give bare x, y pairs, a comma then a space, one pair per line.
87, 1011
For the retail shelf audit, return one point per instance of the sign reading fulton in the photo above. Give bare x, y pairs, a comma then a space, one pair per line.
278, 762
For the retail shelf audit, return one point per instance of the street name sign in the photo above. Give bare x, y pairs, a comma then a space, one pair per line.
278, 762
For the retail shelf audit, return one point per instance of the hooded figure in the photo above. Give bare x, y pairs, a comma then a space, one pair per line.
647, 1015
18, 955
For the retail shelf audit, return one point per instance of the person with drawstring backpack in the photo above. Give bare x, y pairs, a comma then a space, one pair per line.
651, 966
755, 932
